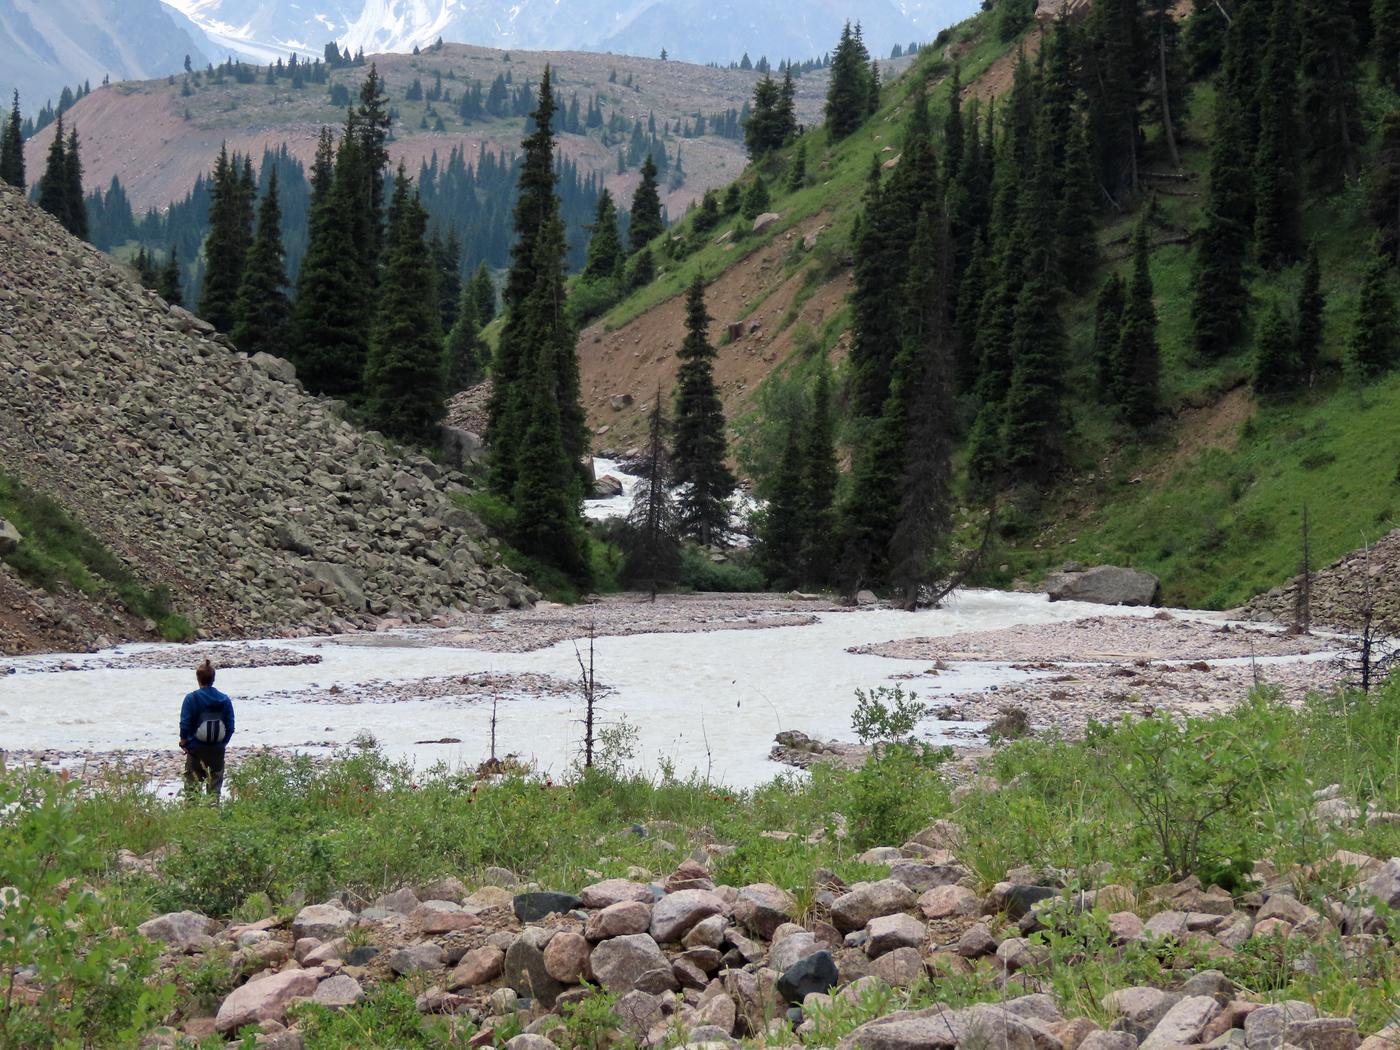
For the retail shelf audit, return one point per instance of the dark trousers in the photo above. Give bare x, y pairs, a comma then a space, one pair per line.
204, 764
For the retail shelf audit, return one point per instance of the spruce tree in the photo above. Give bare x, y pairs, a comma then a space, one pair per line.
653, 544
1372, 347
848, 93
1205, 36
1108, 329
1139, 361
605, 254
781, 535
536, 209
1276, 194
1384, 190
647, 223
12, 148
925, 369
953, 128
1077, 246
466, 364
484, 291
797, 173
700, 444
330, 317
261, 310
447, 259
1385, 25
766, 128
1331, 108
53, 185
1275, 355
371, 128
641, 271
819, 479
404, 384
1311, 303
1219, 298
168, 280
787, 106
73, 188
548, 482
225, 247
756, 198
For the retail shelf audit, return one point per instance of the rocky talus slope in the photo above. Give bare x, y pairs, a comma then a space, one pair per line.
696, 963
1341, 592
210, 473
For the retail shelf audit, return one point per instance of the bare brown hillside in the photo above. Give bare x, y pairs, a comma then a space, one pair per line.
757, 294
158, 141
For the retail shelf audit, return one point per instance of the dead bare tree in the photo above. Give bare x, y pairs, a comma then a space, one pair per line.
1375, 652
1302, 594
588, 684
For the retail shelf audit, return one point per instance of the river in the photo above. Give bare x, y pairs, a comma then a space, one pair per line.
707, 701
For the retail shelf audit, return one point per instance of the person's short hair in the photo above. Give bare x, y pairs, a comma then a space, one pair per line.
204, 674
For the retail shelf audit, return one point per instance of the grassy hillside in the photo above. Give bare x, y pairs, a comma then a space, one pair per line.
1212, 499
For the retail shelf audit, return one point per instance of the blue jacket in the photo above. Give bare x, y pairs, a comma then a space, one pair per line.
197, 704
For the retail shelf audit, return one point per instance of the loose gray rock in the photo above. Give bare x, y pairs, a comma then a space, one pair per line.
854, 910
620, 962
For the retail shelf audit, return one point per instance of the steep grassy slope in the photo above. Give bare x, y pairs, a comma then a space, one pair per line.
1211, 500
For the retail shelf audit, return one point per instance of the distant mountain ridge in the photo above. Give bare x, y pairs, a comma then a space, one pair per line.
694, 30
50, 44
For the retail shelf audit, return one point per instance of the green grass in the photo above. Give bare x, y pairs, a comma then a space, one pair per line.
57, 551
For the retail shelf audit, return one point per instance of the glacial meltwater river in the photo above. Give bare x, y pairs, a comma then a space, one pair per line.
703, 699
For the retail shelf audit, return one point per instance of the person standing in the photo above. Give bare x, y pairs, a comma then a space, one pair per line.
206, 726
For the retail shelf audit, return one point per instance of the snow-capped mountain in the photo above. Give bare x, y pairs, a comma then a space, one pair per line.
50, 44
695, 30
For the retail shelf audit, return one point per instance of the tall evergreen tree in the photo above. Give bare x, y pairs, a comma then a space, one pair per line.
766, 128
548, 487
261, 310
1385, 186
925, 369
797, 174
1139, 361
12, 148
484, 290
536, 209
168, 280
1077, 245
404, 385
653, 546
953, 139
781, 535
819, 479
226, 246
1108, 330
1311, 303
1114, 68
447, 259
647, 223
700, 446
605, 254
465, 355
1385, 24
848, 93
53, 185
1205, 36
1275, 354
1331, 108
1373, 341
1219, 298
787, 106
371, 127
1276, 195
73, 187
330, 317
756, 198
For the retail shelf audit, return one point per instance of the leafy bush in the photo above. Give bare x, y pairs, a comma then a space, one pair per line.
1196, 782
699, 573
69, 975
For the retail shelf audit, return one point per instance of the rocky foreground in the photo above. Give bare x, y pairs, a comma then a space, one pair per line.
694, 963
213, 474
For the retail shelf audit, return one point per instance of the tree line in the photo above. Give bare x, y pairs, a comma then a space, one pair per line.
991, 222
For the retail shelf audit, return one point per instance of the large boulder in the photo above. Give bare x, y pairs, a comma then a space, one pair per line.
673, 916
763, 908
1103, 585
10, 537
325, 922
182, 930
525, 969
265, 999
620, 962
276, 367
461, 447
852, 911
